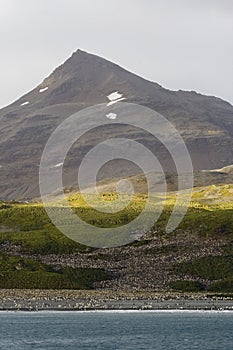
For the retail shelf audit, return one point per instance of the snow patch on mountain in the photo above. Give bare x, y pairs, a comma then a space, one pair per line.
111, 115
43, 89
113, 102
114, 96
58, 165
24, 103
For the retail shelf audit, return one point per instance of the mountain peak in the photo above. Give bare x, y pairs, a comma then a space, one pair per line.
83, 80
81, 53
88, 78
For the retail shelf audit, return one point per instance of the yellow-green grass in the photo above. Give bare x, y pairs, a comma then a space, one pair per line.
210, 214
29, 226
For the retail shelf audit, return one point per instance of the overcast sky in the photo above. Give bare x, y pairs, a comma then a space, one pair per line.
181, 44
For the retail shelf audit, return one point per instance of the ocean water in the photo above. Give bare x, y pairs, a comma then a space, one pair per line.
116, 330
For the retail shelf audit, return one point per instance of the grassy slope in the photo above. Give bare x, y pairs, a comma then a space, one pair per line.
27, 225
21, 273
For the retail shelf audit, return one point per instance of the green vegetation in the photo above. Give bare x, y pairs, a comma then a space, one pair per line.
216, 269
105, 219
223, 286
187, 286
208, 223
228, 248
207, 267
226, 285
31, 229
17, 272
28, 227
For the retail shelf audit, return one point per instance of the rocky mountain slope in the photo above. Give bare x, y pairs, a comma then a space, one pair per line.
206, 123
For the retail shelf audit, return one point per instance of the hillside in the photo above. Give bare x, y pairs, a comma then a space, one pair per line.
205, 123
197, 256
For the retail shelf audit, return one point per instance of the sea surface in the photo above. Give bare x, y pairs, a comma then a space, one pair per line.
116, 330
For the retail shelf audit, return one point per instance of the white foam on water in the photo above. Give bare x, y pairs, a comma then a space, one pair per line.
115, 311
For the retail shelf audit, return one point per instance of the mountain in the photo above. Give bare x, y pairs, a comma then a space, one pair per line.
205, 123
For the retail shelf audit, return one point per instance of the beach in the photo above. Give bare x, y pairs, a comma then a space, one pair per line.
80, 300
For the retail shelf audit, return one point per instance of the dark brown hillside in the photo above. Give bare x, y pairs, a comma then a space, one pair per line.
206, 123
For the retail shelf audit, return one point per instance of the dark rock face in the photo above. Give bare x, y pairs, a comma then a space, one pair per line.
205, 123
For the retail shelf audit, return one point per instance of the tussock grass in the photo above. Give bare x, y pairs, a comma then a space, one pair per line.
20, 273
210, 215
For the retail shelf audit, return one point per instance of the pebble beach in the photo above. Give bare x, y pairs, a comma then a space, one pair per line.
80, 300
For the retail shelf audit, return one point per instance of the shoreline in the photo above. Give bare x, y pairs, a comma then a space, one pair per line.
108, 300
115, 311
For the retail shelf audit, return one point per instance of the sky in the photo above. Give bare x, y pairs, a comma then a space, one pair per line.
181, 44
